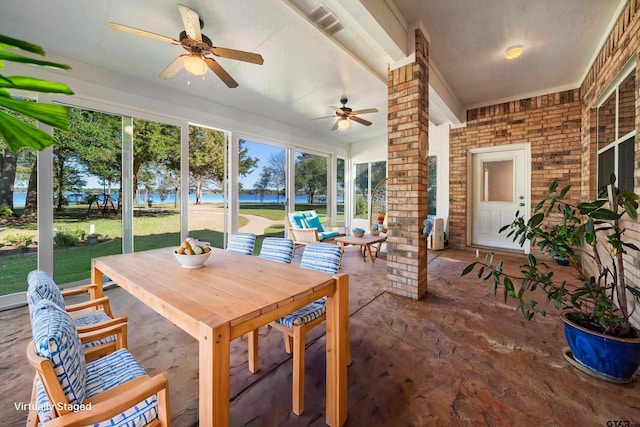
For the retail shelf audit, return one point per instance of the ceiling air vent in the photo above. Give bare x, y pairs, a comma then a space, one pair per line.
325, 19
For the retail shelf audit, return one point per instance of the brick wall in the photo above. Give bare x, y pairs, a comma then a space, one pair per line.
407, 175
621, 45
549, 123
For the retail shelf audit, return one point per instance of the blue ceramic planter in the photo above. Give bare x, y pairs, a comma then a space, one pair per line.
610, 358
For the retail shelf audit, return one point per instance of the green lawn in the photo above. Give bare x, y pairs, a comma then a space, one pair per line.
152, 229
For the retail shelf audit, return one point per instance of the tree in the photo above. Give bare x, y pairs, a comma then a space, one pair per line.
311, 175
278, 171
153, 143
206, 158
92, 144
263, 182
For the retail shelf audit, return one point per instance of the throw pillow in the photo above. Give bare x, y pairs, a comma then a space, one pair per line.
314, 222
297, 221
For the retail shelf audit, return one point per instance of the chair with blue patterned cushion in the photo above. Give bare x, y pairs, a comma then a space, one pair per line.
111, 391
277, 249
274, 249
324, 257
242, 243
42, 286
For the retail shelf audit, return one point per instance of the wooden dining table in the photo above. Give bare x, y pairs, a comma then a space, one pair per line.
229, 296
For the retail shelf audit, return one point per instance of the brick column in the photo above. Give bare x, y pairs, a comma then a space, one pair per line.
408, 88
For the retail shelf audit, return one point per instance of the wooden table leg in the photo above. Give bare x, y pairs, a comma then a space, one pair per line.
337, 339
370, 255
96, 277
214, 380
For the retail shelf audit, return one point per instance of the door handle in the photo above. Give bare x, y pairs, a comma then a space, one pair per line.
521, 204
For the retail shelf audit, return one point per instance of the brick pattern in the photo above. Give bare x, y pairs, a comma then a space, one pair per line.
407, 175
622, 43
549, 123
561, 130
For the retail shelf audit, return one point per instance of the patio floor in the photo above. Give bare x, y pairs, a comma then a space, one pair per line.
458, 357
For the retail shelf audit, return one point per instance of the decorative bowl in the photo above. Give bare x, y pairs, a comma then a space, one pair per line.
358, 232
375, 232
192, 261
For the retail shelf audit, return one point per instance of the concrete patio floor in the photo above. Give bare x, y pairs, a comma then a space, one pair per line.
458, 357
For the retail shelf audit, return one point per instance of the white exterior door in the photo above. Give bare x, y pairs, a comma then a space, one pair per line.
499, 190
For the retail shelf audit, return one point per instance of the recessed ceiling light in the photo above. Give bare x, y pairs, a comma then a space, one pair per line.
513, 52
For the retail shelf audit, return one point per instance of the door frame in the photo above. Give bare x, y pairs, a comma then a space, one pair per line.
524, 146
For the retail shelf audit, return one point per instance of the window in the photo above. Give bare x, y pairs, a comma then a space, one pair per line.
432, 164
615, 134
367, 176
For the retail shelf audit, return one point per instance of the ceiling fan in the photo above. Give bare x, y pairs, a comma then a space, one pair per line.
198, 47
345, 115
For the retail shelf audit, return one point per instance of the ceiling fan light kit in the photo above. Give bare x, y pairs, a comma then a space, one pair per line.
345, 115
343, 124
195, 65
198, 45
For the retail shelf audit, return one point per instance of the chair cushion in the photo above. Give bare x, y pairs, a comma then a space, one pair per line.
327, 235
304, 315
104, 374
428, 226
322, 257
41, 286
242, 243
91, 319
297, 220
56, 338
314, 222
277, 249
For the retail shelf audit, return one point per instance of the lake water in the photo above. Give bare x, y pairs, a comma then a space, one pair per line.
20, 198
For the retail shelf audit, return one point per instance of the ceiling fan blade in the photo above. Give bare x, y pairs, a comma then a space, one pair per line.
142, 33
239, 55
191, 22
220, 72
335, 125
359, 120
325, 117
365, 111
173, 68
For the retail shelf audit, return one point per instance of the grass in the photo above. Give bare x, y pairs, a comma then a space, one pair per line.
153, 229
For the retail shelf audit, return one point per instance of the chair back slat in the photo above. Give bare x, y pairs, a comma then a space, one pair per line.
242, 243
277, 249
324, 257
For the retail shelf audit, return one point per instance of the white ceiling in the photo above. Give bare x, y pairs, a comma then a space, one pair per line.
305, 70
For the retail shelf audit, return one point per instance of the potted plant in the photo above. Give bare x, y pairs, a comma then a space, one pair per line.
597, 306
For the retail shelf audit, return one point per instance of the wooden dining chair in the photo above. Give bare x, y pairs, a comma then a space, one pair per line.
111, 391
324, 257
90, 315
242, 243
276, 249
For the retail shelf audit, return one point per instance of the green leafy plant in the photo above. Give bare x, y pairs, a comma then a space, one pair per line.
16, 133
20, 240
591, 236
5, 211
65, 237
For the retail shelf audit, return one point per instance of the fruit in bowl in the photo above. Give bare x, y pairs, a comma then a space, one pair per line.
192, 255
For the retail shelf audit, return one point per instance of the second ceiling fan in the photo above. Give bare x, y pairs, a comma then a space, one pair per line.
345, 115
198, 47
